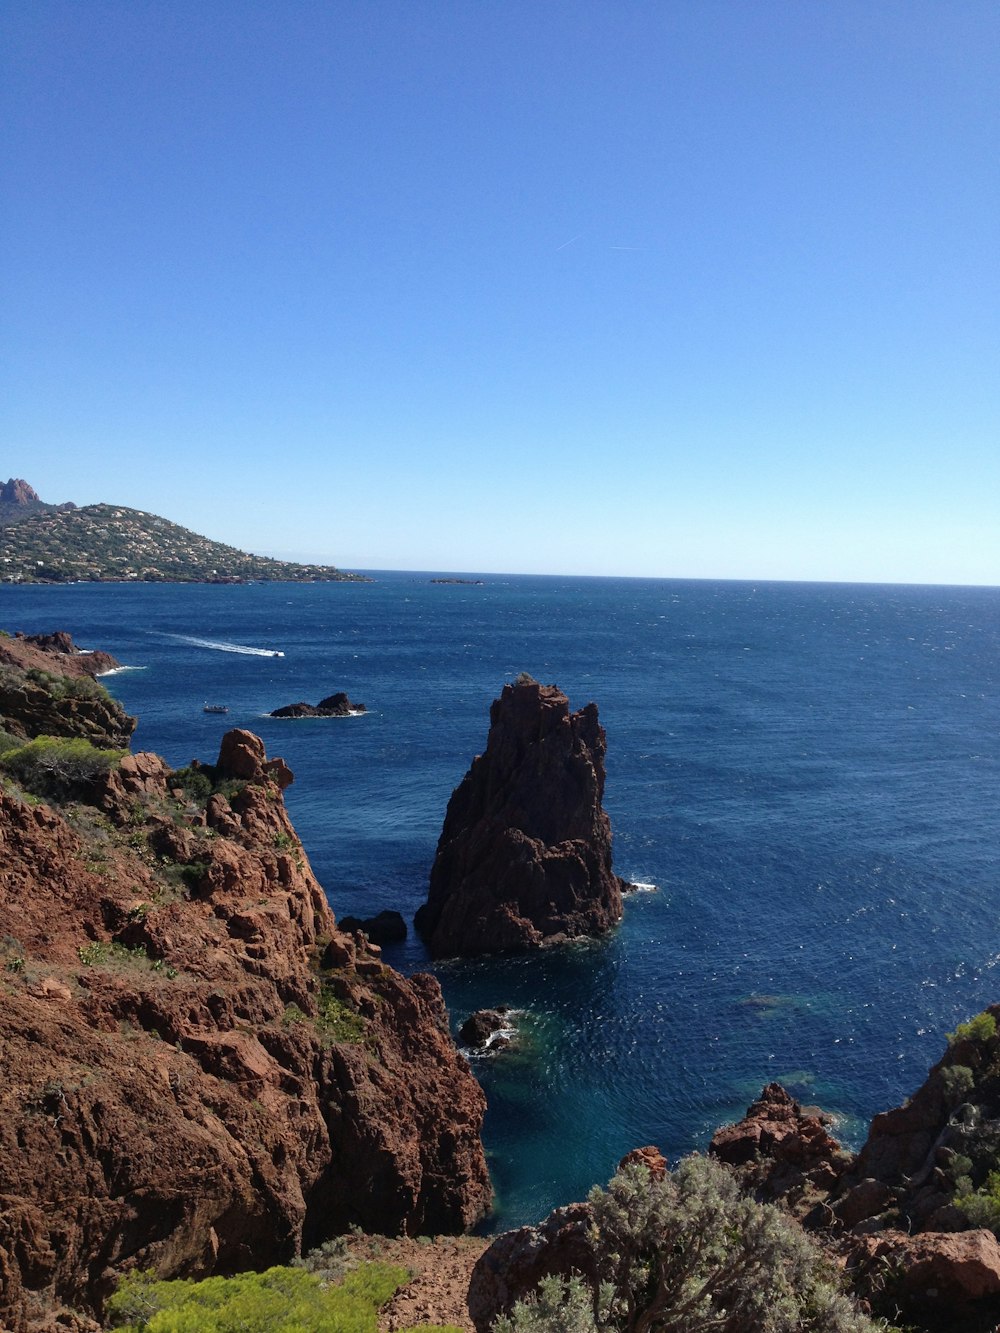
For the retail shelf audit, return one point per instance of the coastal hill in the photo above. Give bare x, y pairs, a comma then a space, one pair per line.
103, 543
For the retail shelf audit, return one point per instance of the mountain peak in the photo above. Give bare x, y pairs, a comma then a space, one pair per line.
18, 492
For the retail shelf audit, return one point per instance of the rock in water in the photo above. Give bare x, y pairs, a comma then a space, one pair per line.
524, 858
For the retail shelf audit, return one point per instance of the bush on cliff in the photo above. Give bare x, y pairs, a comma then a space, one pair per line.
59, 768
690, 1254
282, 1300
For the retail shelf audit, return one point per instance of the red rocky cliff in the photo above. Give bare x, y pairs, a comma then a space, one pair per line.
200, 1072
524, 857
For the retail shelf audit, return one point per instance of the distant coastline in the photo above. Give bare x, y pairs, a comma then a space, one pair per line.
102, 543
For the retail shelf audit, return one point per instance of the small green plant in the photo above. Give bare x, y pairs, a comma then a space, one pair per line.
293, 1014
283, 840
982, 1206
338, 1021
957, 1081
102, 952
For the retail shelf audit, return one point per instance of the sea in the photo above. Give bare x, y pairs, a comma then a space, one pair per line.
802, 779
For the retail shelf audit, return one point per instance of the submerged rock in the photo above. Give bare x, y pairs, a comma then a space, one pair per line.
524, 858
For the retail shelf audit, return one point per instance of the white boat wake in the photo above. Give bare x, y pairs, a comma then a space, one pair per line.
223, 647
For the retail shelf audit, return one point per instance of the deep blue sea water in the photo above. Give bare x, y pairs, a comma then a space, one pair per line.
809, 774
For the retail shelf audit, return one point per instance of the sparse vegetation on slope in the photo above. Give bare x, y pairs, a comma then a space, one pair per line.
110, 543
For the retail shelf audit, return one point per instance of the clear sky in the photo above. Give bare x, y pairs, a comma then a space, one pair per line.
693, 288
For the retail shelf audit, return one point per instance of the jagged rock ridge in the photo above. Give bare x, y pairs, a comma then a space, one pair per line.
524, 857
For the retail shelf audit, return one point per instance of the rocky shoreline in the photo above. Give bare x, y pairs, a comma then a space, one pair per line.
205, 1072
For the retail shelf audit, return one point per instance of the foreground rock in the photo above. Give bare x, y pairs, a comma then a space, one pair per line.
524, 858
335, 705
905, 1214
517, 1261
201, 1072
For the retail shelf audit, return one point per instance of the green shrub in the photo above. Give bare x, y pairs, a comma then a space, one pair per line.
194, 782
982, 1028
282, 1300
982, 1206
691, 1252
59, 768
9, 742
337, 1021
957, 1081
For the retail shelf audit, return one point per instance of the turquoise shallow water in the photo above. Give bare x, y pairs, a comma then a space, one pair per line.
808, 774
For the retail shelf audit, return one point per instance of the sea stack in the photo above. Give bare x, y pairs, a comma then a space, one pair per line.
524, 858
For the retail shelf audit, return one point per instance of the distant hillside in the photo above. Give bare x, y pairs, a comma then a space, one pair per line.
101, 543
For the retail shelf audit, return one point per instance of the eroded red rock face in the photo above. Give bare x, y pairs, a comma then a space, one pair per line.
781, 1149
524, 857
185, 1085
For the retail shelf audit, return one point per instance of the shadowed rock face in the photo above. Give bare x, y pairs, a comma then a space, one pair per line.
201, 1073
524, 858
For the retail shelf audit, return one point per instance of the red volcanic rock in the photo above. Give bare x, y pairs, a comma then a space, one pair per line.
936, 1269
650, 1157
38, 650
242, 755
17, 492
201, 1073
779, 1148
517, 1261
524, 857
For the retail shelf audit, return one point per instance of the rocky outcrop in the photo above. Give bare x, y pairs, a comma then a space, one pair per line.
486, 1027
19, 501
524, 858
47, 689
334, 705
15, 491
901, 1213
56, 653
386, 927
782, 1151
517, 1261
201, 1072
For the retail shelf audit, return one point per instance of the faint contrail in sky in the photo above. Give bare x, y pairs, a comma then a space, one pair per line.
569, 242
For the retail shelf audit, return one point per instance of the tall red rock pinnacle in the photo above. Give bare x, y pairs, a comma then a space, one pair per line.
524, 858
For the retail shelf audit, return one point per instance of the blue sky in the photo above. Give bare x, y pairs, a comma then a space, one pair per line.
685, 288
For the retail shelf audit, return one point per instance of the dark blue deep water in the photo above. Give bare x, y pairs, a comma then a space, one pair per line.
808, 774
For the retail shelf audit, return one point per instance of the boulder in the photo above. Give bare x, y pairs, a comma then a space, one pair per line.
524, 858
386, 928
650, 1157
937, 1270
516, 1262
479, 1028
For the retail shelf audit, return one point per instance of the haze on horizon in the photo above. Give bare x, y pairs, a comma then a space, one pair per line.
672, 290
